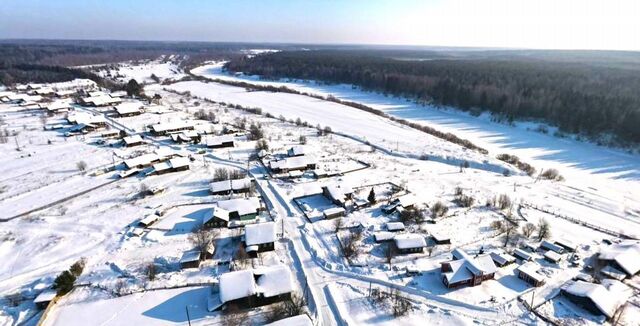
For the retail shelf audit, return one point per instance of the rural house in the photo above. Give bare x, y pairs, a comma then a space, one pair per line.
259, 237
467, 270
599, 299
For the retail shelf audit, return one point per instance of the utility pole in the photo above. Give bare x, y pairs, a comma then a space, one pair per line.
533, 295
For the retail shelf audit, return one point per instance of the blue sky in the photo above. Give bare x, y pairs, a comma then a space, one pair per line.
563, 24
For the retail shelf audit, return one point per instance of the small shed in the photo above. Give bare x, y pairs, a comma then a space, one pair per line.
333, 212
190, 259
395, 226
383, 236
522, 255
131, 141
409, 243
547, 245
501, 258
552, 256
45, 297
439, 238
148, 220
528, 272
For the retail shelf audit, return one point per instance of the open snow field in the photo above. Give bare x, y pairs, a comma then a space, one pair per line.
99, 225
577, 160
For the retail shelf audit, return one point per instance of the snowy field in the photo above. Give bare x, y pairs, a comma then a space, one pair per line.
574, 158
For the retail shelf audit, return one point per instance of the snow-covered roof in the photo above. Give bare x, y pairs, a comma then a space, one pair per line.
218, 140
338, 192
531, 270
149, 219
501, 257
161, 166
383, 236
607, 296
241, 184
118, 94
551, 246
465, 266
236, 285
101, 99
300, 320
217, 212
190, 256
395, 226
242, 206
552, 255
132, 139
407, 200
297, 162
45, 296
86, 118
168, 126
408, 241
626, 254
127, 108
220, 186
227, 185
333, 211
522, 254
144, 159
260, 233
179, 162
274, 280
296, 150
564, 242
58, 105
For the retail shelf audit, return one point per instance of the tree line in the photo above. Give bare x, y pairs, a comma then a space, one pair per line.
576, 97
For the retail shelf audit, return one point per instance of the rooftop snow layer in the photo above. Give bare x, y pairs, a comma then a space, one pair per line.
236, 285
260, 233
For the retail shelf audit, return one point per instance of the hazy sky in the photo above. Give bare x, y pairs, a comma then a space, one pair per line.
557, 24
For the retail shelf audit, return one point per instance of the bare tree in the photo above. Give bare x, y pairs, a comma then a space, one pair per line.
401, 305
294, 306
151, 271
439, 209
220, 174
544, 229
202, 239
350, 246
389, 253
233, 316
510, 230
338, 223
241, 258
528, 229
82, 166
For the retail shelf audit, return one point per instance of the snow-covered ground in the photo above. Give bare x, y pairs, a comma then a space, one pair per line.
576, 160
98, 225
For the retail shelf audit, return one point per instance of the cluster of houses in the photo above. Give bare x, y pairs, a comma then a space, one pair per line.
156, 163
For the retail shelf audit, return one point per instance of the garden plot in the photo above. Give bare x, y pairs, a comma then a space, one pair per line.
456, 226
183, 219
355, 306
314, 205
337, 165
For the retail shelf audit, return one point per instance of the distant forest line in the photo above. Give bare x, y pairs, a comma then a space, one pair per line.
39, 61
581, 96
